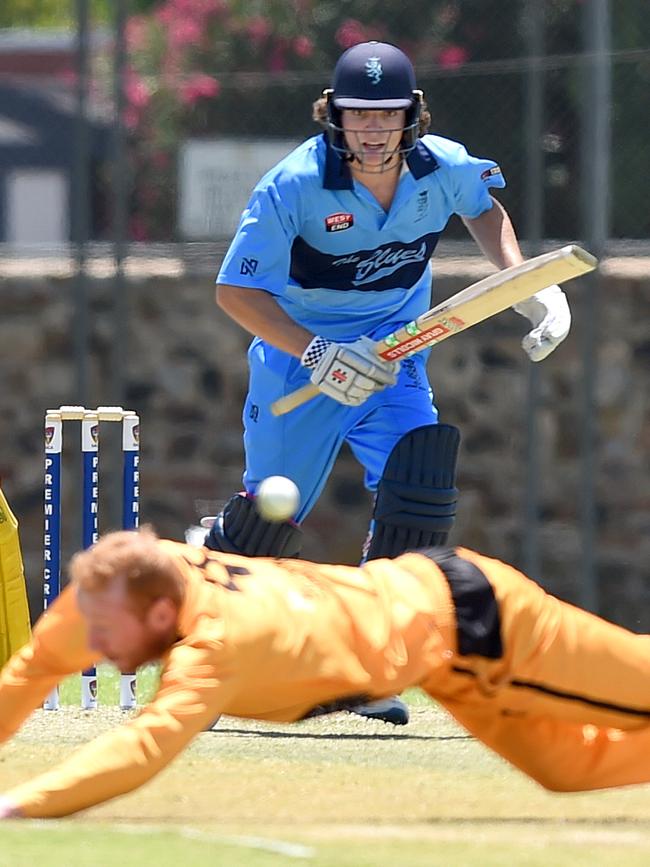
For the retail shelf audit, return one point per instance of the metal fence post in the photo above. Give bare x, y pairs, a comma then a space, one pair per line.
596, 146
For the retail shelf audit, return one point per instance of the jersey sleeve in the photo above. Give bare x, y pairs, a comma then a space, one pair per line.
58, 648
260, 253
471, 179
191, 696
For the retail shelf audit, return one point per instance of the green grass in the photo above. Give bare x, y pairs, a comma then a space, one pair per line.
331, 791
59, 845
108, 686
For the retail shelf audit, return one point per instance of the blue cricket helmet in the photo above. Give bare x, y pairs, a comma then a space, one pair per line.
374, 75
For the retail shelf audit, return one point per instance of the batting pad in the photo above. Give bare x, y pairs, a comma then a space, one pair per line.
415, 506
14, 610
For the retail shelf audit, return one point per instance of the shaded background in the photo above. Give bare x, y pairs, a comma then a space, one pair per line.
130, 136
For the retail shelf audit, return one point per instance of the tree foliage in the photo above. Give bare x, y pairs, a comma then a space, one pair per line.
49, 13
252, 67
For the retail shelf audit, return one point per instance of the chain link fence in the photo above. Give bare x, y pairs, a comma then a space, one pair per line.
145, 86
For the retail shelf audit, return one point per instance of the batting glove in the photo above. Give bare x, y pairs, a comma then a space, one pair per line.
549, 313
349, 373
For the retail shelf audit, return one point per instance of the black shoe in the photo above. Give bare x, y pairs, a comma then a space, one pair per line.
391, 710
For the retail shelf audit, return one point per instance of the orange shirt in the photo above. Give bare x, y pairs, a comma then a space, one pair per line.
261, 638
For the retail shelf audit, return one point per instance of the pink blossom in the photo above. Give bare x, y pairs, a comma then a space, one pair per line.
136, 90
197, 87
185, 31
278, 60
452, 56
165, 14
259, 28
195, 10
131, 117
137, 28
350, 33
303, 46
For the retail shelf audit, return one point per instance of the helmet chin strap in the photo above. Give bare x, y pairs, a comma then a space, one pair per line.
376, 170
357, 156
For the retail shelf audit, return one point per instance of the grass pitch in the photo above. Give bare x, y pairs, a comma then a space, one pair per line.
337, 790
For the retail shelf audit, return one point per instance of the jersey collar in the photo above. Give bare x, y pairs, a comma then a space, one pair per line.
337, 174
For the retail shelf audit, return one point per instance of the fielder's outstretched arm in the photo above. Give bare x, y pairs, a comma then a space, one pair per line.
189, 699
58, 648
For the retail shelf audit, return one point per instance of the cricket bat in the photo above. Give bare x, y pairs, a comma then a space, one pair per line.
468, 307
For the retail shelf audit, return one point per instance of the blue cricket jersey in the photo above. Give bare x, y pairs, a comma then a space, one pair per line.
333, 259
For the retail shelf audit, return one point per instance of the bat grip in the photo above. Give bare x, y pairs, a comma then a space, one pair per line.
296, 398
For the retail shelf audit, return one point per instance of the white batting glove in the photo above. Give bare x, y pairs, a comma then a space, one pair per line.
348, 372
549, 313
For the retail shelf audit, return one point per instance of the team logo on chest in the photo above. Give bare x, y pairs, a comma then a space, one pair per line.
422, 205
338, 222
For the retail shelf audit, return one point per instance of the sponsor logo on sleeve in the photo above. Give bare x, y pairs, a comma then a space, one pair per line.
338, 222
489, 173
248, 266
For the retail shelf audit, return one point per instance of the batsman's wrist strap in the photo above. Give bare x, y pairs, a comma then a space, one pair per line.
315, 350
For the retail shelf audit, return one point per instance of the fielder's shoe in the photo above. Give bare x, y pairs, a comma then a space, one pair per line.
391, 710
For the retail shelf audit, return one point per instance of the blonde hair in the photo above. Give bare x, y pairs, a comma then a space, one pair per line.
320, 115
134, 556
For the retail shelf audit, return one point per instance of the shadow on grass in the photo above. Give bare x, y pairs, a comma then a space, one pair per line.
335, 736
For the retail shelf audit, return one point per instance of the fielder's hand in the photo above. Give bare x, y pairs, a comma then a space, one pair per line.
549, 313
348, 372
9, 810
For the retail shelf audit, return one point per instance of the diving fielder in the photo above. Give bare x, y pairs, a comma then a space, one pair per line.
559, 693
332, 252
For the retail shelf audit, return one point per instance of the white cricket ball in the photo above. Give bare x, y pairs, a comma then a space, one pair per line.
277, 498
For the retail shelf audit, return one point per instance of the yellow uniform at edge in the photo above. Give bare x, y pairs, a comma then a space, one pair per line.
272, 640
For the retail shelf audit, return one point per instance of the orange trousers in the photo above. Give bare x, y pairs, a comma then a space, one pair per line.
567, 702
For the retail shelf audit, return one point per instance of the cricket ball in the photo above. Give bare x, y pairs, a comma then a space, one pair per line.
277, 498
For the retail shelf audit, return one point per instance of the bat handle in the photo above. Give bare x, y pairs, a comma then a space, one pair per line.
296, 398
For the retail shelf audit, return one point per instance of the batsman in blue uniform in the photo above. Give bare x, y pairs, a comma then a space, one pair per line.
332, 252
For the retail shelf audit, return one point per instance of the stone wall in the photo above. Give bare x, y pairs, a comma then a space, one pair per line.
186, 375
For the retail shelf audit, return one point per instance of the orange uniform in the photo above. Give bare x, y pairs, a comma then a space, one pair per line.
558, 692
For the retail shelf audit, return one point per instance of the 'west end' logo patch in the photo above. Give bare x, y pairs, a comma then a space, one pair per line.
338, 222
